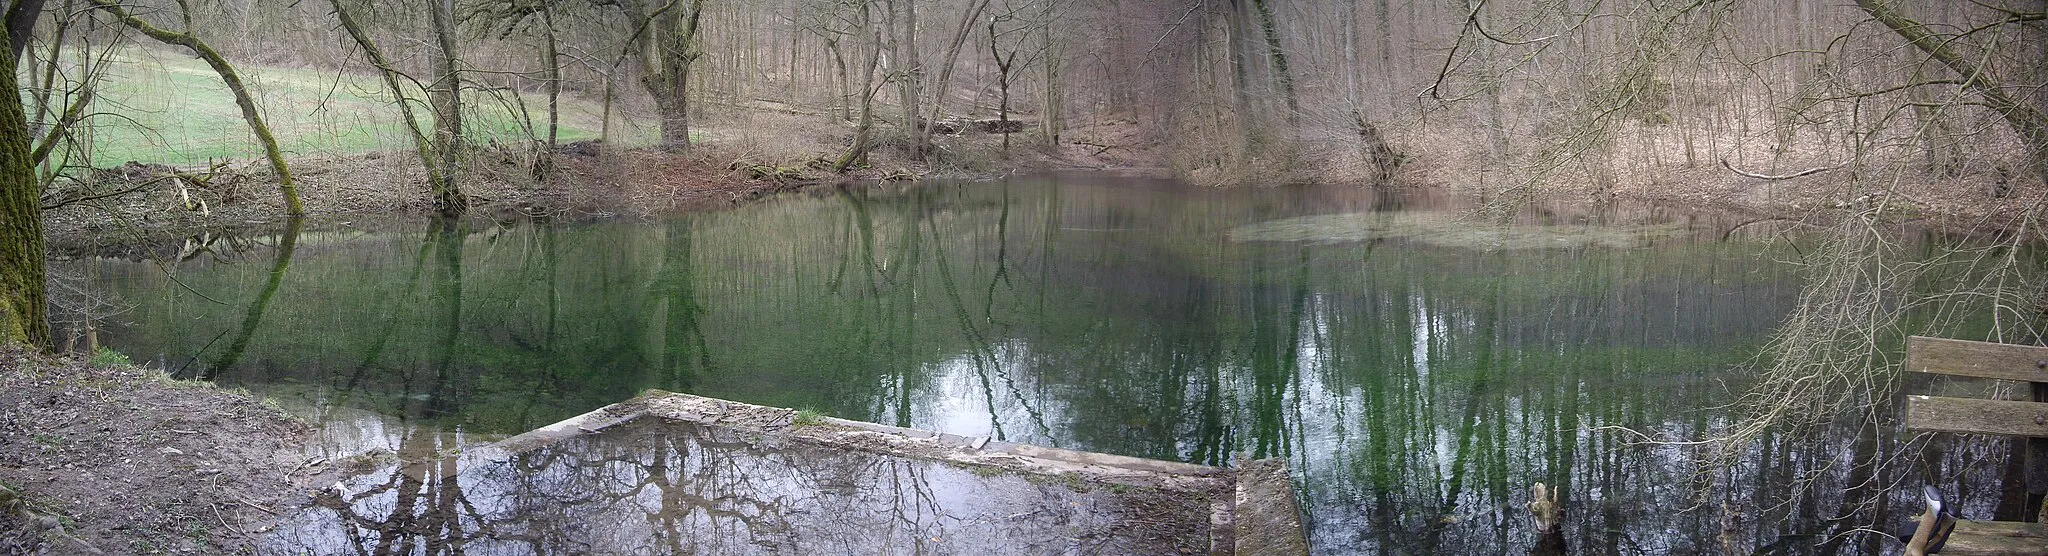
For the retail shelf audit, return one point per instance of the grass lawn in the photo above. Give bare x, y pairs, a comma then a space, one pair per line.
166, 107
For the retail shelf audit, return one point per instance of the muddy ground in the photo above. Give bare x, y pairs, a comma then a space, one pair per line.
118, 460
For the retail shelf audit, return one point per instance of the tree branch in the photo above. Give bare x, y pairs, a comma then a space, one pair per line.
1803, 173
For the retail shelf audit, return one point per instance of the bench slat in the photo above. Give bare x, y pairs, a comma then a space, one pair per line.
1978, 359
1966, 415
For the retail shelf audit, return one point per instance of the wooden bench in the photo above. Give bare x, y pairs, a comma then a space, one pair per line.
2027, 419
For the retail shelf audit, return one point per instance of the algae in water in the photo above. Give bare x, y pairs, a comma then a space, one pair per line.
1445, 229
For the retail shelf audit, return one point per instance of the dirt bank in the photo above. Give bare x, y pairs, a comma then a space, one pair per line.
118, 460
745, 158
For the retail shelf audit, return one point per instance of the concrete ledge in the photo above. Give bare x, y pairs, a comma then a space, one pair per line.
1997, 538
1268, 518
1252, 509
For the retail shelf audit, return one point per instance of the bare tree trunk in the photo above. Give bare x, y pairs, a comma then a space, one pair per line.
250, 113
421, 145
49, 79
1050, 114
859, 150
1377, 153
1002, 84
49, 134
667, 53
1240, 72
21, 24
905, 66
544, 165
943, 85
445, 96
1349, 28
845, 104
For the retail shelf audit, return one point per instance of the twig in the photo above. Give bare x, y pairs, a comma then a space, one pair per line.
174, 279
224, 520
253, 505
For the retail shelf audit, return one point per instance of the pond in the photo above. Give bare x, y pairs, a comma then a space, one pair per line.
1419, 367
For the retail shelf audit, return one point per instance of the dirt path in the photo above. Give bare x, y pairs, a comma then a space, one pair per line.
117, 460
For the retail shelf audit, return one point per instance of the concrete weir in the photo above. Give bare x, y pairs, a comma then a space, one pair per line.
677, 473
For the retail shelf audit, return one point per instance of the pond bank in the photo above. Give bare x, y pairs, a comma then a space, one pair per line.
588, 181
641, 183
116, 459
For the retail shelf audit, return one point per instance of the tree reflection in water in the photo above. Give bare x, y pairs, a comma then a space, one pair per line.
1417, 387
656, 487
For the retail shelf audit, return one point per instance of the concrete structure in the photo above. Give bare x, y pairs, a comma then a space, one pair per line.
677, 473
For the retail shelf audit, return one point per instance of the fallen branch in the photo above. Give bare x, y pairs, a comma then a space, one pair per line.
1100, 148
1725, 236
1807, 172
94, 197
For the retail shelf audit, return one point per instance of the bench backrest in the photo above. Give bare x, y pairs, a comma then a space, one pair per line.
1983, 360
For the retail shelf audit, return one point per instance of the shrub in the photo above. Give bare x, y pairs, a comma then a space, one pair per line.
107, 357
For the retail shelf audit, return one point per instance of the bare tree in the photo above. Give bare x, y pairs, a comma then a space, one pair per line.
228, 76
666, 41
440, 167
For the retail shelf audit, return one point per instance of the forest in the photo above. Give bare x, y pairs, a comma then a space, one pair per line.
1878, 169
1729, 99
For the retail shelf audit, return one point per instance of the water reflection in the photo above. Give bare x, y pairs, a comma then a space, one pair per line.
653, 487
282, 262
1418, 386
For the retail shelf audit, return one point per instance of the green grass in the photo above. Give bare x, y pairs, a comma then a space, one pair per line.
165, 107
106, 357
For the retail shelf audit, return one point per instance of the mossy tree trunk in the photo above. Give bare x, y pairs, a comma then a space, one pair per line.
24, 318
439, 178
285, 188
668, 50
1282, 75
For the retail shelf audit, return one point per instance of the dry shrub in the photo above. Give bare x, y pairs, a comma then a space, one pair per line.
778, 138
974, 153
1237, 152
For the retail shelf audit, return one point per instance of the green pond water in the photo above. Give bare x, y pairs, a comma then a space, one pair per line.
1418, 368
